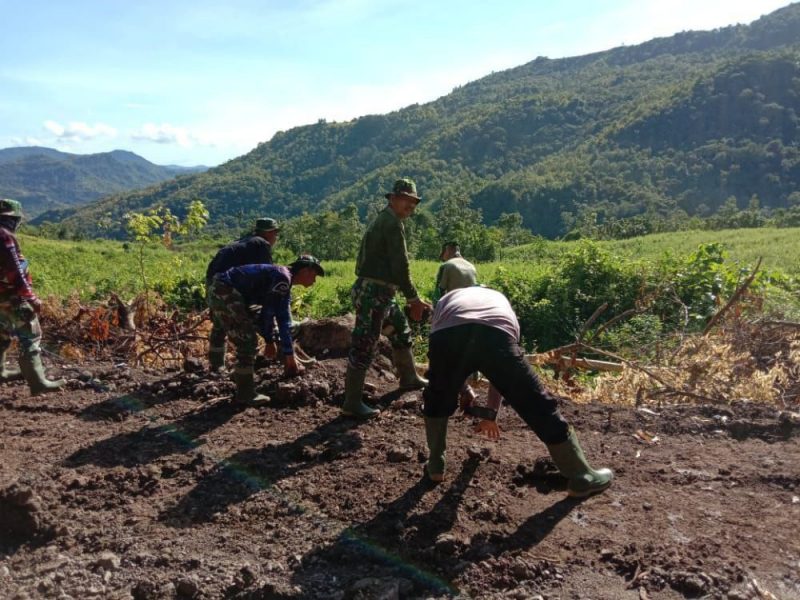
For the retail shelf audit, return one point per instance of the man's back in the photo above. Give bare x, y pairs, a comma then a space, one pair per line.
249, 250
456, 273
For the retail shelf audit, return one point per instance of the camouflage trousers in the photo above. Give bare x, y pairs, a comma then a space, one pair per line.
231, 315
376, 312
18, 320
216, 337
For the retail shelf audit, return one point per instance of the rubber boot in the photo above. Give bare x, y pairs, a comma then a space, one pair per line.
244, 379
403, 360
216, 358
353, 396
7, 373
33, 372
583, 479
436, 434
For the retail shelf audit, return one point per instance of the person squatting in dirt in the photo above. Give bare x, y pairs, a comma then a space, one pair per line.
19, 307
475, 329
231, 295
252, 249
382, 269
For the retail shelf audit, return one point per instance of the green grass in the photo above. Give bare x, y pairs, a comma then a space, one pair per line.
95, 268
780, 248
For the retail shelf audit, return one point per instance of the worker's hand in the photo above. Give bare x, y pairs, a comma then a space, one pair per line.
488, 427
291, 368
270, 350
419, 309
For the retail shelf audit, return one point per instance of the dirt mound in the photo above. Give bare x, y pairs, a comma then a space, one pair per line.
21, 515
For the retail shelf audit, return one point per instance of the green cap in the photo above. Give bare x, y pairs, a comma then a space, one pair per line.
404, 187
10, 207
306, 260
266, 224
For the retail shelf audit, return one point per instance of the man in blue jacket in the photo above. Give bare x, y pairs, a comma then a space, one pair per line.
235, 290
255, 248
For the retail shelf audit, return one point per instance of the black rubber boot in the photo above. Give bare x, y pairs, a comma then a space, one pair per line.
244, 378
583, 479
216, 358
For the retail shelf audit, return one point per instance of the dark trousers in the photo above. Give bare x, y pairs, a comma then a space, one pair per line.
456, 352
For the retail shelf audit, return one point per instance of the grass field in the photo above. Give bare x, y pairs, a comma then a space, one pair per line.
780, 248
94, 268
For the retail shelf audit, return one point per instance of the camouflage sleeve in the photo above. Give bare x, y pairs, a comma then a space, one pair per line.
398, 259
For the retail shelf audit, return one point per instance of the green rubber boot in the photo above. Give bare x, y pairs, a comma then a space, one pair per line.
33, 372
403, 360
7, 373
353, 396
583, 479
244, 378
216, 358
436, 434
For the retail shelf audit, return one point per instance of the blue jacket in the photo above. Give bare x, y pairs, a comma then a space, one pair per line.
269, 286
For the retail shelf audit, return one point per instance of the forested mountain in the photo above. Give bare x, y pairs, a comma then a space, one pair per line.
43, 178
673, 127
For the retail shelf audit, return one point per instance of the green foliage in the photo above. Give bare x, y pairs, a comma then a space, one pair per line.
159, 224
553, 286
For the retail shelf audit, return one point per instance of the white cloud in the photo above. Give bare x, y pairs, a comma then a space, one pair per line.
166, 133
78, 131
26, 141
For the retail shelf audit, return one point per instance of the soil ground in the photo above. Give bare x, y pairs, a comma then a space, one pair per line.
150, 484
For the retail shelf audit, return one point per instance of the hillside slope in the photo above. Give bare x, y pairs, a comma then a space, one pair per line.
45, 179
674, 124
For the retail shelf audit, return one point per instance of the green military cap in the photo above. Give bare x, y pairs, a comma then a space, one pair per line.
264, 225
306, 260
10, 207
404, 187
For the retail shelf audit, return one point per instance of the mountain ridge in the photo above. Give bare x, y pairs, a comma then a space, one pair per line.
553, 139
44, 178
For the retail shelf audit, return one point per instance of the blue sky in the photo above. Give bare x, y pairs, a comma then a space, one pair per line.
198, 82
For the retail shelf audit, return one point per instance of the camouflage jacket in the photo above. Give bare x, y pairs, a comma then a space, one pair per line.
15, 280
383, 254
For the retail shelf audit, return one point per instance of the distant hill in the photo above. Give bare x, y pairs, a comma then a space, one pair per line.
46, 179
676, 125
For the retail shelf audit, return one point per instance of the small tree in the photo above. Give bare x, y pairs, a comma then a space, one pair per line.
158, 225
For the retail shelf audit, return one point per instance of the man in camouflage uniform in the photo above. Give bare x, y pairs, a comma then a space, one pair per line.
255, 248
232, 293
19, 307
382, 269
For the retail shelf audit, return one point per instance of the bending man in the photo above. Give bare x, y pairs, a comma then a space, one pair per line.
475, 329
231, 295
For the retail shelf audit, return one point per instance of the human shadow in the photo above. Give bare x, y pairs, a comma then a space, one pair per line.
154, 441
255, 470
391, 544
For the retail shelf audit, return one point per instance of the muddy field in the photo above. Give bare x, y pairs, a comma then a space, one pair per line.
148, 484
